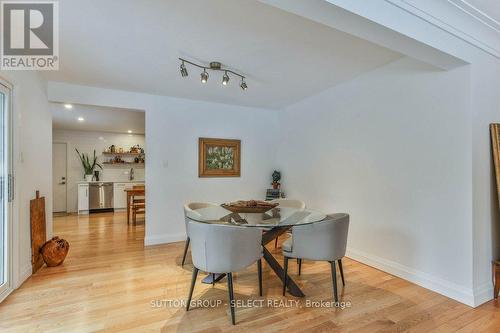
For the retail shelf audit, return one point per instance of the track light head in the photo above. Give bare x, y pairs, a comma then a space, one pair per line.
184, 71
243, 84
225, 79
204, 76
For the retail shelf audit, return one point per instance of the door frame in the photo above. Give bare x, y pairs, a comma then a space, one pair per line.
11, 252
66, 163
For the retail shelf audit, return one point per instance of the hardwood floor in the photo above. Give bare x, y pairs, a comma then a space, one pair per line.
111, 283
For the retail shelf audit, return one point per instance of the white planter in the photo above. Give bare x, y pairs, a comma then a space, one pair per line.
88, 178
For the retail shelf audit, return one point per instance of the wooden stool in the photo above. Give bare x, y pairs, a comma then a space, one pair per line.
496, 275
138, 203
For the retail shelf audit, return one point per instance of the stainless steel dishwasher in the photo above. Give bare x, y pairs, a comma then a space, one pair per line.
100, 197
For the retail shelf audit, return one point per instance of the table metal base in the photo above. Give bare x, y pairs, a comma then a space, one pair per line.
209, 279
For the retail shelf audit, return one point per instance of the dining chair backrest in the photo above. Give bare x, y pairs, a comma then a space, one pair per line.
140, 196
192, 206
325, 240
290, 203
219, 248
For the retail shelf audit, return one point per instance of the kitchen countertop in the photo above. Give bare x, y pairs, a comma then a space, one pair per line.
106, 181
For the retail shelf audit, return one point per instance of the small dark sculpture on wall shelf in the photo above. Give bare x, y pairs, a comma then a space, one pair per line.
276, 179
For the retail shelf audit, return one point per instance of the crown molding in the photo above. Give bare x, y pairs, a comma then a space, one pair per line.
460, 19
477, 14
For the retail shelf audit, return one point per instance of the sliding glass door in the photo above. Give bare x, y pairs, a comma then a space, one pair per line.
5, 189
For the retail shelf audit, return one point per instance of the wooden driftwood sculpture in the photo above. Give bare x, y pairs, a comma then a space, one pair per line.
54, 251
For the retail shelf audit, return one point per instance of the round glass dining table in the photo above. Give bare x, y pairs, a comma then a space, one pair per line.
276, 217
274, 223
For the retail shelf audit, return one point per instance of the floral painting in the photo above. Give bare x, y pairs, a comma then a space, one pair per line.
219, 157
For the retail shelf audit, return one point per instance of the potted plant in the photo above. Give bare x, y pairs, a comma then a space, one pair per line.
88, 164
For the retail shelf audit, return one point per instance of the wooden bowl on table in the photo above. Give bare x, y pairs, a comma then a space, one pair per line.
250, 206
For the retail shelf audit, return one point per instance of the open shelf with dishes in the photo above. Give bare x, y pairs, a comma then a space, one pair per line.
115, 156
123, 164
122, 154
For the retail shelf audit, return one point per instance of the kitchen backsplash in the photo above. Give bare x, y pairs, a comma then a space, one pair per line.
121, 174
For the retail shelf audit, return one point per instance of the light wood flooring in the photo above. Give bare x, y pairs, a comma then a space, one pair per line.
111, 283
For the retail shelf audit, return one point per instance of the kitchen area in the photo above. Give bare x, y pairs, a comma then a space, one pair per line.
98, 154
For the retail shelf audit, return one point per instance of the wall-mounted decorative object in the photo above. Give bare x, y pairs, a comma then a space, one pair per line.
219, 157
213, 66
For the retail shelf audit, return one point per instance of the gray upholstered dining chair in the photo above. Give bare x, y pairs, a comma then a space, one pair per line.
190, 207
288, 203
321, 241
217, 248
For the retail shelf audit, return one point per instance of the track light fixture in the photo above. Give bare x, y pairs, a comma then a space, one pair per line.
243, 84
225, 79
204, 76
184, 71
214, 66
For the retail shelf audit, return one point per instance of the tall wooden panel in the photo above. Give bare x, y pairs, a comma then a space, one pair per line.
38, 232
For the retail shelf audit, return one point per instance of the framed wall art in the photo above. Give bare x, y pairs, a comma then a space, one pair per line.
219, 157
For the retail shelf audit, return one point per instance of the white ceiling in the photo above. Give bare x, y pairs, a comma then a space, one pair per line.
101, 119
134, 45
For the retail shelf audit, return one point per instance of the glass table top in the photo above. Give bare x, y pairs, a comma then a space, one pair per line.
272, 218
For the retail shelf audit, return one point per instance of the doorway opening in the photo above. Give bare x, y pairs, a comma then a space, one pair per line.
99, 156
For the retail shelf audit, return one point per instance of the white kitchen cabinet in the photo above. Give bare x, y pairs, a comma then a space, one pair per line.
83, 198
119, 194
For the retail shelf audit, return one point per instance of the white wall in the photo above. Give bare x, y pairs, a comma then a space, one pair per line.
485, 106
393, 149
172, 134
173, 126
32, 161
457, 35
86, 142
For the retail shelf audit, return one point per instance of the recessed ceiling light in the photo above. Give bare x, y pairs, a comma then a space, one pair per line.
68, 106
129, 131
80, 119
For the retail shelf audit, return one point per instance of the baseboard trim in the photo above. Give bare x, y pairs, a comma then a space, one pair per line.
5, 293
483, 294
443, 287
164, 239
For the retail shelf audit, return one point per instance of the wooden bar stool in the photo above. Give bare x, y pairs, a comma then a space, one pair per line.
138, 204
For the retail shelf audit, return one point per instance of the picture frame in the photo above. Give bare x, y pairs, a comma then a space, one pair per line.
219, 157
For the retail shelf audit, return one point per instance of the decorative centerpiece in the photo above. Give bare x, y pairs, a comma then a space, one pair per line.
88, 164
276, 179
54, 251
250, 206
